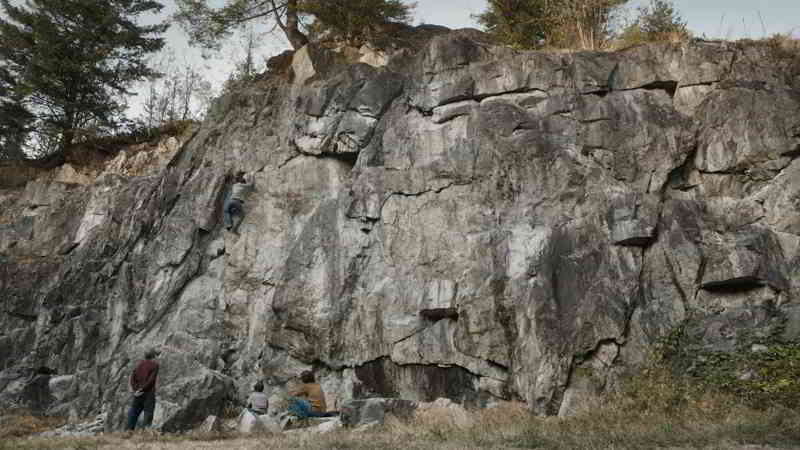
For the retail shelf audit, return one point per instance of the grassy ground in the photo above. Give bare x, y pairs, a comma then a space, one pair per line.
669, 416
20, 423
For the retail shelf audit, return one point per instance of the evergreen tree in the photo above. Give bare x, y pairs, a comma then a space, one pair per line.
348, 19
519, 23
14, 119
660, 18
71, 61
656, 21
354, 20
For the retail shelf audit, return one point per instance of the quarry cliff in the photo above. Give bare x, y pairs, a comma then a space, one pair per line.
457, 220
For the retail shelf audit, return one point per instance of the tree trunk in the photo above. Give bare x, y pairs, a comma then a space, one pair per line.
292, 30
67, 132
67, 136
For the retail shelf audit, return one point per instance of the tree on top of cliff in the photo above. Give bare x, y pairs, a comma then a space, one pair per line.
585, 24
656, 21
351, 20
15, 119
69, 62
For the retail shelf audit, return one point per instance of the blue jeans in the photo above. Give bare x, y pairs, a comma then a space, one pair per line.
144, 403
301, 407
234, 211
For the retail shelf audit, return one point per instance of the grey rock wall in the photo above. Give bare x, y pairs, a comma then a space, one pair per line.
467, 221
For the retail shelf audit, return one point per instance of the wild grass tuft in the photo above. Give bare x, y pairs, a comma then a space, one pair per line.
21, 423
782, 52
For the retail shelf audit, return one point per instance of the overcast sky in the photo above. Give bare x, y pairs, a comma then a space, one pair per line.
728, 19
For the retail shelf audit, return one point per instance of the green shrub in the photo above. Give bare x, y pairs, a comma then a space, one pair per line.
761, 372
584, 24
655, 22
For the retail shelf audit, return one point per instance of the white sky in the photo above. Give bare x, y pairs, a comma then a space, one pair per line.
736, 19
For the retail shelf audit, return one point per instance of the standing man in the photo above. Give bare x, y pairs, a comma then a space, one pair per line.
234, 204
143, 385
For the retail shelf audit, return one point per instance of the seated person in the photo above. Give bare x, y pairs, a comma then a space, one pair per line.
308, 400
258, 402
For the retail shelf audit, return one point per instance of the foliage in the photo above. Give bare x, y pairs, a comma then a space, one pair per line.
354, 20
586, 24
21, 423
783, 52
761, 371
71, 61
180, 93
660, 17
134, 133
761, 376
656, 22
207, 26
15, 119
349, 19
520, 23
244, 67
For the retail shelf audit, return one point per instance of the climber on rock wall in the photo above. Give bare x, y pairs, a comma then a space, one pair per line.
234, 204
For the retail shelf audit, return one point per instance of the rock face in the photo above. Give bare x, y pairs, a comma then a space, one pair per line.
467, 221
374, 410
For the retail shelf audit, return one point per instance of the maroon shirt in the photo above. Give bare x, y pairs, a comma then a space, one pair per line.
144, 376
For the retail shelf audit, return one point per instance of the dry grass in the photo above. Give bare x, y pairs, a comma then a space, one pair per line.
634, 39
93, 151
656, 413
20, 423
657, 410
781, 46
782, 52
785, 42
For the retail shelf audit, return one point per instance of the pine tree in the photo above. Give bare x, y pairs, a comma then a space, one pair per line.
520, 23
14, 119
355, 20
656, 21
660, 18
348, 19
71, 61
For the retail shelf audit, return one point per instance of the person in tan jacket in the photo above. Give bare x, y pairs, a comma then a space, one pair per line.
308, 399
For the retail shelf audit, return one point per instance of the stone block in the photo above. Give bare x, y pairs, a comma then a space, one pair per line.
210, 425
374, 410
632, 219
745, 260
